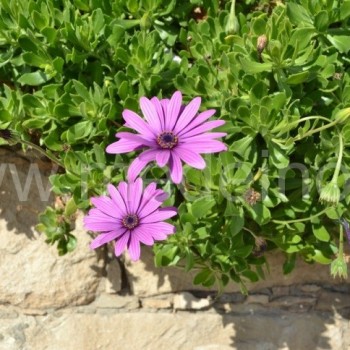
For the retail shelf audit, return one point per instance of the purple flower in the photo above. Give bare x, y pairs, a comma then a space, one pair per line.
346, 228
130, 216
172, 133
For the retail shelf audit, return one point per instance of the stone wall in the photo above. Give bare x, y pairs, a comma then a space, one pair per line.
89, 300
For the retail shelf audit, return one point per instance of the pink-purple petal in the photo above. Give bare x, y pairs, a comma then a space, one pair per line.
135, 168
134, 195
137, 138
106, 205
176, 171
159, 215
203, 128
162, 157
135, 122
159, 227
121, 243
151, 205
105, 238
123, 146
142, 236
188, 114
117, 199
200, 119
150, 113
173, 109
206, 147
158, 106
149, 155
134, 248
92, 224
203, 137
191, 158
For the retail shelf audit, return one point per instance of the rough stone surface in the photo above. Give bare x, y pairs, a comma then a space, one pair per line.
163, 302
111, 301
113, 283
186, 301
178, 331
32, 274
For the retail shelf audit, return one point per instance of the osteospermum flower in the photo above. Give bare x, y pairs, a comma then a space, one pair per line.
172, 133
130, 216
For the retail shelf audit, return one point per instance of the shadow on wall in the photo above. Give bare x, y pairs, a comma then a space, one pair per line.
304, 310
24, 190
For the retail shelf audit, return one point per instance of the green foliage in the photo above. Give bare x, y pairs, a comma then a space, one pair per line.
69, 68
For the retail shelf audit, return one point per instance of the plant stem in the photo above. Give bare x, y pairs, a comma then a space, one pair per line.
301, 220
340, 157
314, 131
46, 154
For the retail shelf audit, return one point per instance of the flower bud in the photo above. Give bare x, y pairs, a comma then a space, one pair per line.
330, 194
342, 115
339, 268
261, 44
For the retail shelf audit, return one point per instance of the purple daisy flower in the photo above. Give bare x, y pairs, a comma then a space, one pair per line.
130, 216
172, 133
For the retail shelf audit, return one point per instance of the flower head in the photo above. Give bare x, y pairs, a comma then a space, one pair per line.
172, 133
330, 194
130, 216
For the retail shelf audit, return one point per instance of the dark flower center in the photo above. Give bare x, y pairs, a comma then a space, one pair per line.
130, 221
167, 140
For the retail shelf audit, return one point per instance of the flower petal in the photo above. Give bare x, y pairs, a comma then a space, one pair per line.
94, 224
191, 158
135, 122
123, 146
105, 238
143, 236
202, 137
135, 168
123, 190
162, 157
142, 140
158, 106
107, 206
134, 195
152, 199
188, 114
206, 147
175, 168
117, 199
203, 128
121, 244
134, 248
200, 119
173, 109
159, 215
150, 113
158, 228
149, 155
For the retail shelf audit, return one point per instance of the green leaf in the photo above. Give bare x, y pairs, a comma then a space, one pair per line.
254, 67
202, 276
98, 21
340, 42
321, 21
299, 15
70, 207
320, 232
202, 206
297, 78
33, 79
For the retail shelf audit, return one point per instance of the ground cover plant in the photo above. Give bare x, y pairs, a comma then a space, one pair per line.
275, 72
